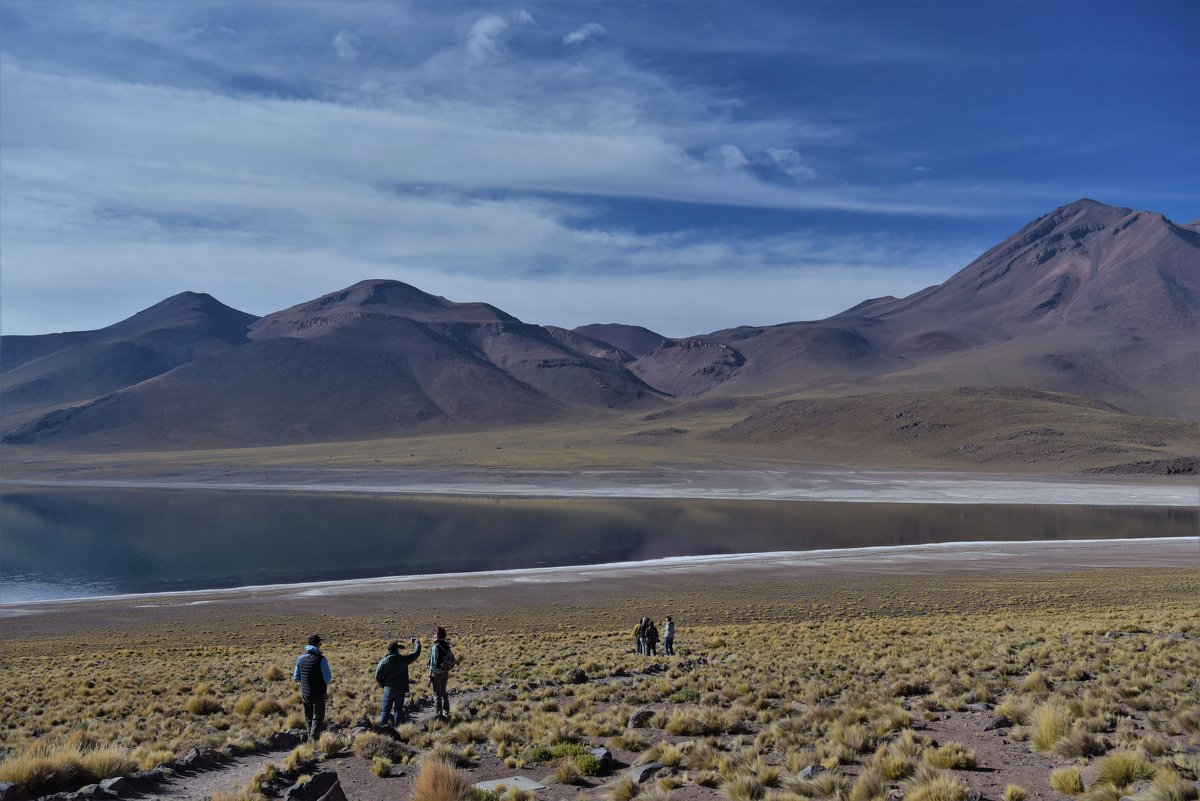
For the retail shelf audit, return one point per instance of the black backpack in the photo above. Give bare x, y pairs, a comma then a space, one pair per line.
445, 660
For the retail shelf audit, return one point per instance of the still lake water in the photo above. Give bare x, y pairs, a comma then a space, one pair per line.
75, 542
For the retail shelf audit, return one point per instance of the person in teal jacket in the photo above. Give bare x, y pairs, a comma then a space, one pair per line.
392, 675
441, 662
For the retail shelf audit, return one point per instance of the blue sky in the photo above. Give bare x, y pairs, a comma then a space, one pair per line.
685, 166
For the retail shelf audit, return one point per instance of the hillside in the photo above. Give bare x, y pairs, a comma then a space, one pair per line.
1094, 302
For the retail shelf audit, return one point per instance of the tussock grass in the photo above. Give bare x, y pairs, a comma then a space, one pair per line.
1049, 723
330, 744
299, 757
743, 787
667, 753
938, 788
46, 767
951, 755
439, 781
1170, 786
567, 772
869, 786
1068, 781
1079, 743
1122, 768
369, 744
1014, 792
623, 789
381, 766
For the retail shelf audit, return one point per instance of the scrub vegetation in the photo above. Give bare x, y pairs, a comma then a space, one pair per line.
880, 689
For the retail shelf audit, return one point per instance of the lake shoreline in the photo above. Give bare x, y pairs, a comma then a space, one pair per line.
679, 483
907, 560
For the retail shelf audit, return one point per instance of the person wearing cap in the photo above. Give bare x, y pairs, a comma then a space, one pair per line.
392, 675
441, 662
312, 671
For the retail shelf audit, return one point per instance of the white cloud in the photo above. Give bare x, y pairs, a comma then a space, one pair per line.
487, 39
118, 192
728, 157
346, 45
585, 33
790, 163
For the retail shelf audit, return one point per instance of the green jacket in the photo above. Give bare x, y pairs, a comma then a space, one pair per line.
392, 670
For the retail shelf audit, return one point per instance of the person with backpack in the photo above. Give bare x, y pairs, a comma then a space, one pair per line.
441, 662
312, 671
392, 675
651, 638
669, 637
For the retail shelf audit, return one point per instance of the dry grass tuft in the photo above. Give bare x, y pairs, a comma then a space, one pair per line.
939, 788
623, 789
1068, 781
1049, 723
369, 744
1123, 768
439, 781
1015, 792
951, 755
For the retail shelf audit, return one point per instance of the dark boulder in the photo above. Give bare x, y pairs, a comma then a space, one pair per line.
118, 785
639, 718
640, 773
604, 755
323, 786
284, 740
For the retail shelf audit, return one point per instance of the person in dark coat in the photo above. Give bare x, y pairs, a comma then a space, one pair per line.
392, 675
312, 671
651, 639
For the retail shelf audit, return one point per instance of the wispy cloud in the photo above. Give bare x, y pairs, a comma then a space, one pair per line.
487, 40
269, 152
346, 45
587, 32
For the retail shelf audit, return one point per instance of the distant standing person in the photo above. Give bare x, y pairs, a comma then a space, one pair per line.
312, 671
651, 638
392, 675
669, 637
441, 662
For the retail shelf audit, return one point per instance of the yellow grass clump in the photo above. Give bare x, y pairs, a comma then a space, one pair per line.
439, 781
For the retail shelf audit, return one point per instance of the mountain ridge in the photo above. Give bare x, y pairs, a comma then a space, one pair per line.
1096, 301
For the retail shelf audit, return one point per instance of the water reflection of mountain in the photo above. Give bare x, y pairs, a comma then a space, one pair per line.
137, 540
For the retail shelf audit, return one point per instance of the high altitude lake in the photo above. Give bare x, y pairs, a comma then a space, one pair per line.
64, 543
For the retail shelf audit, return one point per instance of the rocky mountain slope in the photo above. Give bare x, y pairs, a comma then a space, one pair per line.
1092, 300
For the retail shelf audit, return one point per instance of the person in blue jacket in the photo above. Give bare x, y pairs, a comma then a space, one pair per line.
312, 671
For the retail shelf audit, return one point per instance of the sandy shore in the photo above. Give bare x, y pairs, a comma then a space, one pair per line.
791, 484
559, 585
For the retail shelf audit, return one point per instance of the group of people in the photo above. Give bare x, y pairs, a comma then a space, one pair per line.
313, 673
314, 676
646, 635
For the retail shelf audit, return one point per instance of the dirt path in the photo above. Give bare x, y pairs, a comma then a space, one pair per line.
228, 775
232, 773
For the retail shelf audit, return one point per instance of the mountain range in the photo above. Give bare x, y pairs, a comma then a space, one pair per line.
1094, 301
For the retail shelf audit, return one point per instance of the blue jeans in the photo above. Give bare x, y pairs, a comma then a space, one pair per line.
669, 646
393, 707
